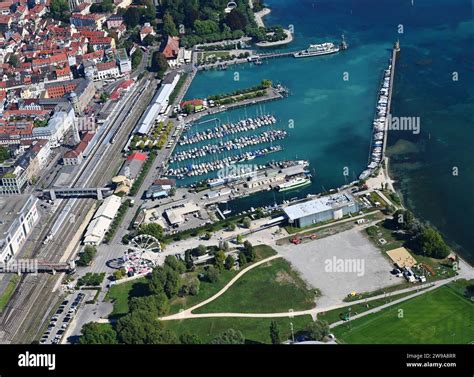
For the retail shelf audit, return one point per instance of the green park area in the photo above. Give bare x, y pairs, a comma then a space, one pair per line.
270, 288
208, 289
120, 294
442, 316
255, 330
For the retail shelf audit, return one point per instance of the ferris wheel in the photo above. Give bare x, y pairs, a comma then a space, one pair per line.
144, 243
143, 254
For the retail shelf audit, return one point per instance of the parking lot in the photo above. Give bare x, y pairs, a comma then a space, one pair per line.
62, 318
340, 264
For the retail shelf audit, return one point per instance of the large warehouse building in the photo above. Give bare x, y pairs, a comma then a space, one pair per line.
158, 103
322, 209
102, 220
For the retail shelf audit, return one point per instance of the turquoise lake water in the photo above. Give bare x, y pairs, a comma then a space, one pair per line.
332, 117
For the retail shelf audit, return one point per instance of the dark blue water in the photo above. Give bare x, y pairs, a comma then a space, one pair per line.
332, 117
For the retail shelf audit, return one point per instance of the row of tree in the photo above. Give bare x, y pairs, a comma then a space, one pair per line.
423, 239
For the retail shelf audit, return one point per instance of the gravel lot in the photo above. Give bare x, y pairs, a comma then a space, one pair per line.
364, 267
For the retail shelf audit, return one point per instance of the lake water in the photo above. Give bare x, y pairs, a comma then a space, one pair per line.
332, 117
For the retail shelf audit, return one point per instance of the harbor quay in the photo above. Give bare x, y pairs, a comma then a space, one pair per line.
271, 94
189, 207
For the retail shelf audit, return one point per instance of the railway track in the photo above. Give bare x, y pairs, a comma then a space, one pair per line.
33, 300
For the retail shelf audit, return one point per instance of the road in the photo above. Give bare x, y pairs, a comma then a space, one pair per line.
33, 301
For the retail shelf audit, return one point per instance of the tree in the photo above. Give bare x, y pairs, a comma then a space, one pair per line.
106, 6
236, 20
95, 333
187, 338
104, 97
188, 108
14, 60
470, 292
224, 245
249, 251
266, 84
171, 286
318, 330
219, 258
242, 259
201, 250
157, 304
275, 333
119, 274
159, 63
188, 260
175, 264
136, 58
239, 239
206, 27
246, 222
231, 227
148, 40
132, 17
151, 229
142, 327
59, 9
87, 255
149, 12
431, 243
229, 262
229, 336
193, 287
4, 154
212, 274
169, 27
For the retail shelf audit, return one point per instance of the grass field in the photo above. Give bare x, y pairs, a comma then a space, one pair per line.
253, 329
442, 316
7, 293
332, 316
207, 289
120, 293
269, 288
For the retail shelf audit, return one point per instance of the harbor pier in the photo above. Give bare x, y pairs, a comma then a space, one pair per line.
380, 124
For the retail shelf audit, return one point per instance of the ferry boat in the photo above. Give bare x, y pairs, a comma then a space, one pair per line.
294, 184
321, 49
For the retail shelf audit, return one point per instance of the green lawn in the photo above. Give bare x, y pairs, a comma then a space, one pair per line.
8, 292
430, 318
120, 293
335, 315
207, 290
269, 288
253, 329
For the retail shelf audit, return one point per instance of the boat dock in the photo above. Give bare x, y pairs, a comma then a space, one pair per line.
243, 184
382, 114
395, 52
